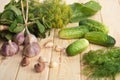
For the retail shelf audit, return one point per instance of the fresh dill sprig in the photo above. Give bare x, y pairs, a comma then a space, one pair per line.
102, 63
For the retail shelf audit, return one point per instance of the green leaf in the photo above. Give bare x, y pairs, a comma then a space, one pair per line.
5, 22
95, 6
31, 16
7, 15
13, 26
6, 35
20, 19
9, 36
81, 11
90, 8
0, 14
77, 15
18, 29
16, 10
40, 26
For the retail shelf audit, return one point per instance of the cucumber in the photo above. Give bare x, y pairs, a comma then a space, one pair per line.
100, 39
94, 25
77, 47
73, 32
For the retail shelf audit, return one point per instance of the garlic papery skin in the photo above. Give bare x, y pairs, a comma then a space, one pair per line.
9, 48
29, 37
20, 37
31, 50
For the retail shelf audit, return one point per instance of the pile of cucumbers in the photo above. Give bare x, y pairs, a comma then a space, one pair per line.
88, 31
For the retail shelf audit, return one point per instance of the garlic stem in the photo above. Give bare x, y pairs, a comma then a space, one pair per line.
25, 17
27, 7
10, 42
23, 10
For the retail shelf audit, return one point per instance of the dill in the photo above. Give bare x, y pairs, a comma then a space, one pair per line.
102, 63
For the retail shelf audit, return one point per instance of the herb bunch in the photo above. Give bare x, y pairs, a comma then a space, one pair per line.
43, 16
102, 63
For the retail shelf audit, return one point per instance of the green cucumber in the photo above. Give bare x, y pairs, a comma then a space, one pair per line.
73, 32
94, 25
100, 39
77, 47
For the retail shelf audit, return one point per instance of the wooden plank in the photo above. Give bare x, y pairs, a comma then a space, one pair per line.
110, 13
28, 72
110, 16
97, 17
69, 67
9, 67
4, 2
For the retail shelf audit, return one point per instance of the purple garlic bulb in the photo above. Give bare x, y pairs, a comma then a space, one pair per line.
9, 48
31, 50
19, 38
29, 38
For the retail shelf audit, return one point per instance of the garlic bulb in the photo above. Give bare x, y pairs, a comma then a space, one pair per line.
29, 38
19, 38
9, 48
31, 50
31, 47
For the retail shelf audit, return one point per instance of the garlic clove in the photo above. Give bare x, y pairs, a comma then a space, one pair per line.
42, 59
31, 49
58, 48
9, 48
19, 38
39, 67
25, 61
53, 64
48, 44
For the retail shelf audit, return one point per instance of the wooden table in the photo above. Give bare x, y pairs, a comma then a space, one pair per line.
69, 68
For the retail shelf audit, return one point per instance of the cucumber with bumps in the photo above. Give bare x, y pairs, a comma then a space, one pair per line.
73, 32
77, 47
93, 25
100, 39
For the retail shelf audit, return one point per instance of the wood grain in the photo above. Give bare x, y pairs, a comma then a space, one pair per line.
69, 68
